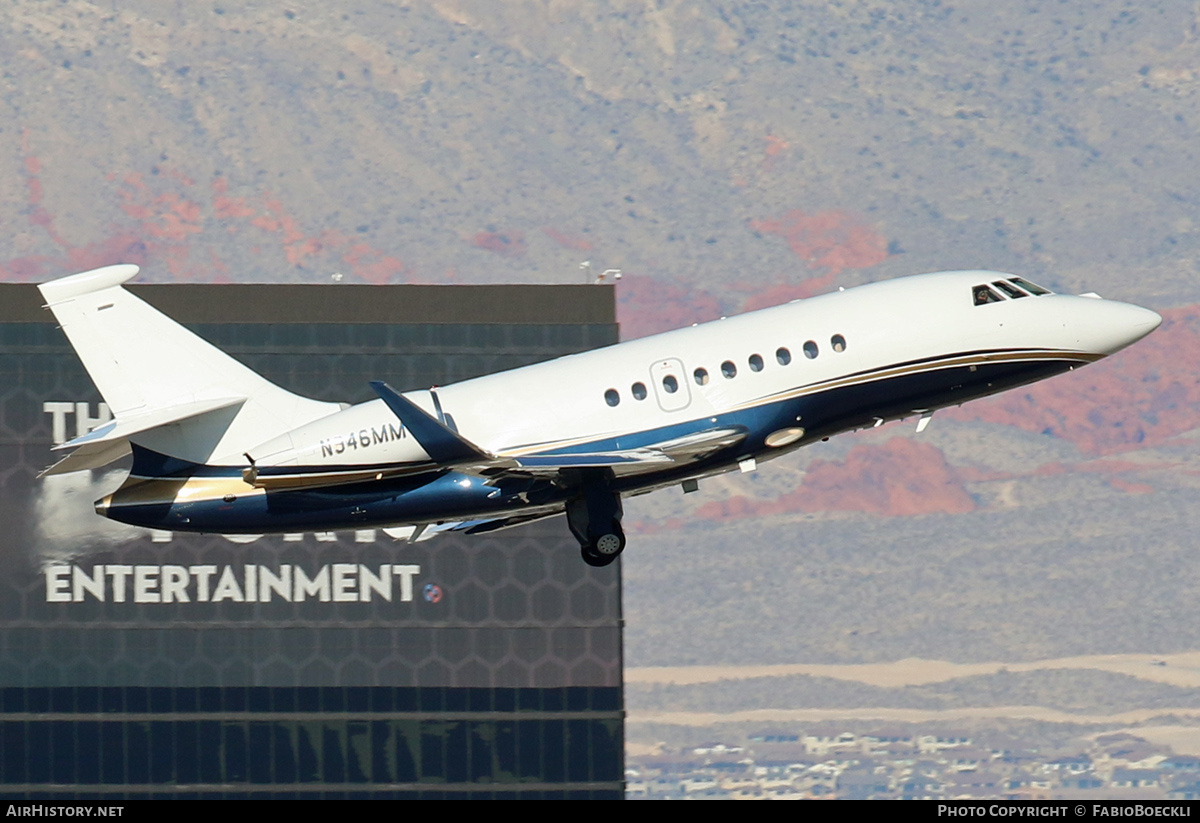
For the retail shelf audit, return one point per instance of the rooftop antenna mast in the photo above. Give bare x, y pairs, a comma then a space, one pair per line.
602, 277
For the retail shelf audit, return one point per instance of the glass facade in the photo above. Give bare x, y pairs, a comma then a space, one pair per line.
484, 666
109, 742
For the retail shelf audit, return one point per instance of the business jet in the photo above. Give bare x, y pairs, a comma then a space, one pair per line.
218, 448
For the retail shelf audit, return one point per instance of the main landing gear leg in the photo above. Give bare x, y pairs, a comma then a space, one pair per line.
595, 519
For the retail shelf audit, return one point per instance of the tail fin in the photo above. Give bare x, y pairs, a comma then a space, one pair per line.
168, 389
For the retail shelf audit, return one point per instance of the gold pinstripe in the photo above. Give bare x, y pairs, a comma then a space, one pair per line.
886, 372
924, 366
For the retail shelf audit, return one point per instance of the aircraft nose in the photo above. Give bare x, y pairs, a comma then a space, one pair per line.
1123, 324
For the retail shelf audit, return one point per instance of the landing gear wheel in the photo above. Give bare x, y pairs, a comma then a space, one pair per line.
594, 517
606, 548
609, 545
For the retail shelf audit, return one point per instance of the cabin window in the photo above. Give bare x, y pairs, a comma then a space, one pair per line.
611, 397
638, 390
783, 356
728, 369
838, 342
1032, 288
670, 384
1009, 289
756, 362
810, 350
701, 376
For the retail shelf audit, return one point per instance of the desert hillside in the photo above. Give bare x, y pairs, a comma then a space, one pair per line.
725, 156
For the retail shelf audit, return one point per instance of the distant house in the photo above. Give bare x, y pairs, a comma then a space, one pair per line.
919, 787
966, 757
774, 736
863, 784
823, 744
1017, 757
930, 743
1073, 764
667, 763
881, 737
1177, 763
1135, 779
700, 784
1184, 791
717, 748
974, 784
1130, 749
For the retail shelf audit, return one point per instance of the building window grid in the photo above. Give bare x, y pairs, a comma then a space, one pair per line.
116, 750
339, 750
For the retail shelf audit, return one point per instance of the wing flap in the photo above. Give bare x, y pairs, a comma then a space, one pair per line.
447, 449
488, 525
683, 449
700, 444
626, 457
289, 478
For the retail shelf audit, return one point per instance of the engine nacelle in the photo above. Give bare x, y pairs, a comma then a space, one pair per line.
366, 434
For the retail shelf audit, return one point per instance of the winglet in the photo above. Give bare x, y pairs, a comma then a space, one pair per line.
443, 445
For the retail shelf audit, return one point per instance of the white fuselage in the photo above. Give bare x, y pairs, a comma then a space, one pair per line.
561, 403
578, 433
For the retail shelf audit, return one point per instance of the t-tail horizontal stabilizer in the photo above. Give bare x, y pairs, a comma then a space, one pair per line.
110, 441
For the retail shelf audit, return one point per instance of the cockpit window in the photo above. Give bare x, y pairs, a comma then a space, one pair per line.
984, 294
1032, 288
1009, 289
